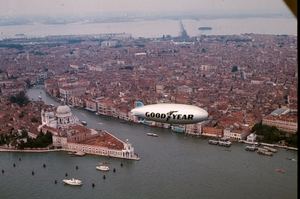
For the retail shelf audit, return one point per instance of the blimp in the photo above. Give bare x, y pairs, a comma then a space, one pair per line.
171, 113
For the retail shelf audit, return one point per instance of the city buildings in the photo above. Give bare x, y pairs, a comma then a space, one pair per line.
285, 123
108, 79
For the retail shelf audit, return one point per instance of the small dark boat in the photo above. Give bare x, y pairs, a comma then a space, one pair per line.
280, 170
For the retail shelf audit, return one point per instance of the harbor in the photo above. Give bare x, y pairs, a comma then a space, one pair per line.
269, 145
172, 166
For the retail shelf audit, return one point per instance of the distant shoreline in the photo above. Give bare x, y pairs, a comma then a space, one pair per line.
154, 27
29, 150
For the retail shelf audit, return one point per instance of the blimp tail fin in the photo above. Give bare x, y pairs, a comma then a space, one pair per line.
138, 104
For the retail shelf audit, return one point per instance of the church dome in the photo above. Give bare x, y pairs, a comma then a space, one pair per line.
63, 111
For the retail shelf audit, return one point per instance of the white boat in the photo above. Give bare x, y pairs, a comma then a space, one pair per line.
263, 151
74, 182
152, 134
214, 142
270, 149
102, 168
251, 148
225, 143
84, 122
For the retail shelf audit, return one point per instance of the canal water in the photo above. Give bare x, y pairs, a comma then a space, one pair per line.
171, 166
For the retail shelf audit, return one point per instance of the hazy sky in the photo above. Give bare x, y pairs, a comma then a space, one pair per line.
82, 7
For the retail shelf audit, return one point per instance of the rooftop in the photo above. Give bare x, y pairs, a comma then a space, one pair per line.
104, 140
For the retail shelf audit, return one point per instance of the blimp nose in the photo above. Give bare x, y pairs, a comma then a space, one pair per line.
134, 111
204, 114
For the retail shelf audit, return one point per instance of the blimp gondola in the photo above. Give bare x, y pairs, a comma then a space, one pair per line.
171, 113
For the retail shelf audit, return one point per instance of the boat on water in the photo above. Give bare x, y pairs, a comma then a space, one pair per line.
220, 142
79, 153
225, 143
152, 134
251, 148
102, 168
84, 122
214, 142
263, 151
270, 149
73, 182
280, 170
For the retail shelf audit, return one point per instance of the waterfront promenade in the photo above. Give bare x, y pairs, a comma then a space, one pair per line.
2, 149
270, 145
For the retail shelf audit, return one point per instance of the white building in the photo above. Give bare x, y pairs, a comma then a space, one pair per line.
61, 118
251, 137
235, 134
193, 129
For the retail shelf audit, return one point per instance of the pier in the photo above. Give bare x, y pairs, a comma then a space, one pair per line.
269, 145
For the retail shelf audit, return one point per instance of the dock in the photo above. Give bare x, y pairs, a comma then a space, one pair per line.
269, 145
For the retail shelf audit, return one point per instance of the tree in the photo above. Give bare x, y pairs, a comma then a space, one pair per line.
292, 140
24, 134
22, 114
271, 134
20, 99
28, 83
34, 120
41, 141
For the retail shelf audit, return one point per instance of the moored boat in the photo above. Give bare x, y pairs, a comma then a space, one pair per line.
270, 149
224, 143
73, 181
214, 142
251, 148
102, 168
152, 134
263, 151
280, 170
